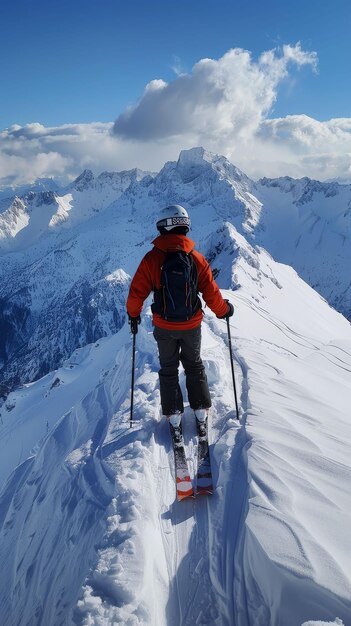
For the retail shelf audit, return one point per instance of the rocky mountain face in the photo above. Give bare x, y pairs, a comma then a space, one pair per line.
65, 263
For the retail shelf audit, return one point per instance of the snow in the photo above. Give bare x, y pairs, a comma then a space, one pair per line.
337, 622
90, 529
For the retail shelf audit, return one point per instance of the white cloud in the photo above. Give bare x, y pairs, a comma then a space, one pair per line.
229, 95
223, 105
307, 135
177, 66
299, 145
17, 169
299, 56
32, 151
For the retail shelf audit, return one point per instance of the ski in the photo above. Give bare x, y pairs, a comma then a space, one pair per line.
183, 481
204, 484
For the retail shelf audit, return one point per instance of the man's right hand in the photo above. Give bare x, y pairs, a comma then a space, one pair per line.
134, 323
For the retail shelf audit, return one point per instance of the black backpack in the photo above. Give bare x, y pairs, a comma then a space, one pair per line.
177, 300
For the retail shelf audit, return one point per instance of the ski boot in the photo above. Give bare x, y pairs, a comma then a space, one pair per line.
175, 424
201, 422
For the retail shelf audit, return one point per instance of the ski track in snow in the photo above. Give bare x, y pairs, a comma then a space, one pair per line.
194, 566
121, 550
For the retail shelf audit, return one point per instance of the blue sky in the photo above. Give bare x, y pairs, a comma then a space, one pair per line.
111, 85
73, 61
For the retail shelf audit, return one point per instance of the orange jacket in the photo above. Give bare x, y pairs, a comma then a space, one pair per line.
147, 278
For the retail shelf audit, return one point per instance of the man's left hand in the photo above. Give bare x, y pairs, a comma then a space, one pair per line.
229, 312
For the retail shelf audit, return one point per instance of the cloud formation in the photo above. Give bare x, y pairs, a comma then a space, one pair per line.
223, 105
228, 96
62, 152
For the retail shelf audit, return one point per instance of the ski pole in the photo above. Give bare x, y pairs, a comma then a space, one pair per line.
132, 387
232, 364
133, 321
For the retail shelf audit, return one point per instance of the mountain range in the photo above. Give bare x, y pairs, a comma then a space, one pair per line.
65, 261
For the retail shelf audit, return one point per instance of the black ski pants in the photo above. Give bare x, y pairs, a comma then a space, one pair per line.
175, 346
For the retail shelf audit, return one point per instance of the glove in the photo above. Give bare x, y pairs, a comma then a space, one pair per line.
229, 312
134, 322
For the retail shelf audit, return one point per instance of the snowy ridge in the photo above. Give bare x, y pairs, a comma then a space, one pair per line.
113, 546
303, 189
8, 194
58, 248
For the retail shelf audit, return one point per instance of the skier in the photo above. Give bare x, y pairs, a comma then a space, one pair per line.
176, 273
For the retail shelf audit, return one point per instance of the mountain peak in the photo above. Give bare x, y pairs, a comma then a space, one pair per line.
83, 181
195, 154
199, 156
193, 162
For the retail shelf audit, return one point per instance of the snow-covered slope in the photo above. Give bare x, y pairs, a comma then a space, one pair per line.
67, 255
307, 224
90, 533
35, 214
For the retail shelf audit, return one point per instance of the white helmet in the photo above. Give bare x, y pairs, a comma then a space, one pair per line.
173, 216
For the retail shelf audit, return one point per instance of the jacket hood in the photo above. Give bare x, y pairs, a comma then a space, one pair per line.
172, 243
